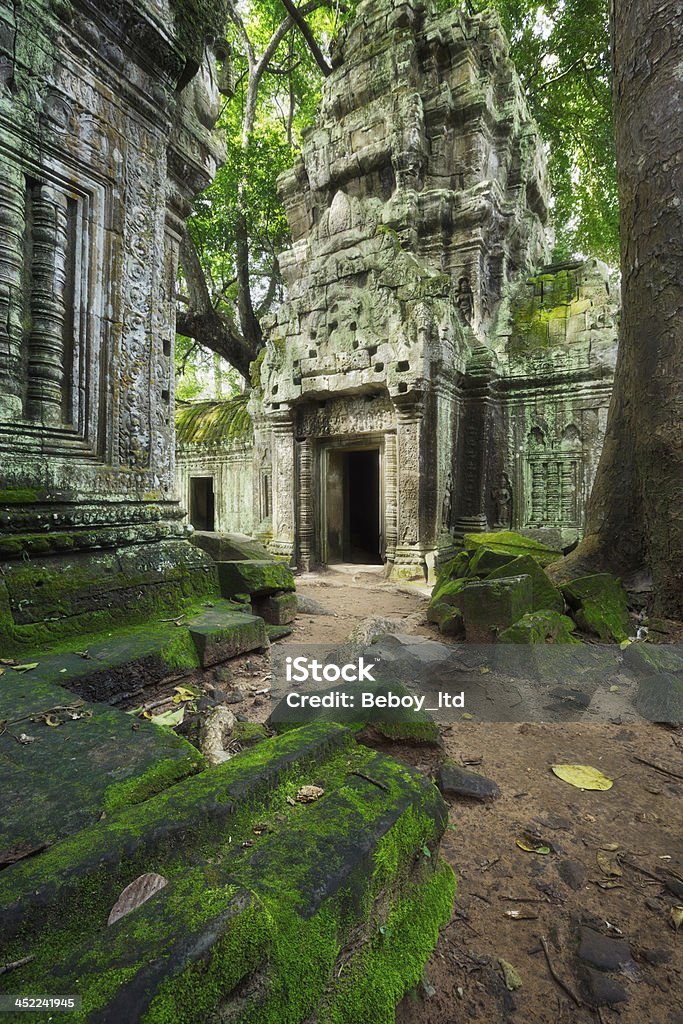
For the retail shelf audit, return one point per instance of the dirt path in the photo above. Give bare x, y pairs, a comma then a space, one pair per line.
509, 899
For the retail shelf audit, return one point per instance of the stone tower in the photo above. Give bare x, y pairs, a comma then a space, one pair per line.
419, 199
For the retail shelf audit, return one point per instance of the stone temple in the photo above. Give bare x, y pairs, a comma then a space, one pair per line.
429, 374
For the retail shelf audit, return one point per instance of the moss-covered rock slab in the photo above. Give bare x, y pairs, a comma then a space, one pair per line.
447, 618
277, 609
599, 606
541, 627
258, 577
544, 594
66, 762
490, 606
507, 542
219, 635
266, 896
660, 698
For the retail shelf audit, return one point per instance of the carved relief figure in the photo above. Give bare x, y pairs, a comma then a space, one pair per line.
502, 499
465, 299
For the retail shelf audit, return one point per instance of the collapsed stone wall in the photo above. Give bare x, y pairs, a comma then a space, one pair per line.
105, 135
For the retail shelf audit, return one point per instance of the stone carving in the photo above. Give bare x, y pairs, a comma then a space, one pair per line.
465, 299
102, 145
502, 500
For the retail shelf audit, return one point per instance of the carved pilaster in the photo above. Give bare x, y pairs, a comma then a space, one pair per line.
390, 496
12, 229
409, 560
305, 505
49, 217
284, 469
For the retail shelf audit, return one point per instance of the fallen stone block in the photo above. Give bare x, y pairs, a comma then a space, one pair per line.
507, 542
230, 547
257, 577
599, 606
263, 895
277, 609
541, 627
219, 636
490, 606
545, 594
660, 698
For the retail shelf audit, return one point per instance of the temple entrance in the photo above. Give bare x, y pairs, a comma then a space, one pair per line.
202, 514
353, 520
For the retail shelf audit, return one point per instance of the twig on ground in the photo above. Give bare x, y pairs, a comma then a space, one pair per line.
375, 782
657, 767
5, 968
556, 977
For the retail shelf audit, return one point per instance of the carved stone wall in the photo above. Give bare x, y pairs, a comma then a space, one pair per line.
419, 196
100, 154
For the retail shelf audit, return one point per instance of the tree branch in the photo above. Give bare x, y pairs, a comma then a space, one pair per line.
306, 32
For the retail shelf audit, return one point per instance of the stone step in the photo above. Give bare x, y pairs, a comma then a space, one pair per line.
266, 896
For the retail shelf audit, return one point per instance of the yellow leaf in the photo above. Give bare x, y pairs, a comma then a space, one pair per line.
677, 917
484, 669
52, 721
467, 716
532, 845
182, 693
624, 644
582, 776
609, 864
26, 668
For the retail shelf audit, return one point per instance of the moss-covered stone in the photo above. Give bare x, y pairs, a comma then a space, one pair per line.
276, 609
540, 627
507, 542
485, 560
447, 618
599, 606
254, 576
660, 698
275, 893
490, 606
544, 594
455, 568
218, 637
195, 21
446, 591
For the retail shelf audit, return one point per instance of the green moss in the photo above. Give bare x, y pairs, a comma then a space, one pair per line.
509, 542
212, 423
599, 606
545, 596
196, 21
180, 653
18, 496
393, 962
155, 780
541, 627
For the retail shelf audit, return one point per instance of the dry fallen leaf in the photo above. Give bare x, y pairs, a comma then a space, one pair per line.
677, 917
135, 894
307, 794
608, 862
510, 975
582, 776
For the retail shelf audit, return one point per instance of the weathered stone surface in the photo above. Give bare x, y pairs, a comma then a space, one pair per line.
539, 628
104, 139
603, 990
278, 609
229, 547
447, 618
254, 576
506, 542
221, 636
309, 606
603, 951
484, 560
544, 594
245, 922
453, 780
572, 873
490, 606
598, 605
646, 658
660, 698
87, 762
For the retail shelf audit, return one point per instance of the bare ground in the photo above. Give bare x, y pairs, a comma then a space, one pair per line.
510, 903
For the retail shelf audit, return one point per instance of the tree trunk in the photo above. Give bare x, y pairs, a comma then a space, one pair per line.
635, 515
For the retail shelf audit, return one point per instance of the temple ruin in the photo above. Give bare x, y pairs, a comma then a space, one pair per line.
429, 374
106, 114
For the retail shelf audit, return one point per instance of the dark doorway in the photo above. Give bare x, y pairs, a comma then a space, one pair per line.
363, 506
353, 507
202, 503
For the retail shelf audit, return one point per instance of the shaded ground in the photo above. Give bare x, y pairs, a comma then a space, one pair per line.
508, 898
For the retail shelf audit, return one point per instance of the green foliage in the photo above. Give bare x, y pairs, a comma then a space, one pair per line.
561, 49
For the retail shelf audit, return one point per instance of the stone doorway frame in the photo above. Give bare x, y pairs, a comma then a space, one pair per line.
368, 442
